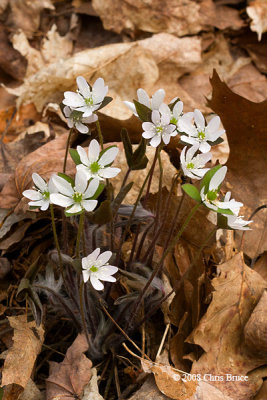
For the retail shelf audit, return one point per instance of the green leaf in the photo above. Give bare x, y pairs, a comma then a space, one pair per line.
141, 164
102, 215
144, 113
67, 178
171, 105
192, 191
224, 211
139, 155
98, 192
75, 156
207, 177
72, 214
105, 102
120, 197
218, 141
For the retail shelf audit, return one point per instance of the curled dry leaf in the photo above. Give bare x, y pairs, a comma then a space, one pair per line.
221, 330
257, 11
247, 160
255, 331
69, 378
91, 391
27, 342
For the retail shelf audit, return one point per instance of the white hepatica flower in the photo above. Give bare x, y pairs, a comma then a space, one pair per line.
96, 165
199, 133
175, 114
154, 103
75, 119
159, 129
236, 222
77, 198
233, 205
193, 166
210, 195
86, 100
96, 268
40, 197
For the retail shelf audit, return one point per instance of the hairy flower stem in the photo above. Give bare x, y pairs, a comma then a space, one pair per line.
67, 151
174, 222
178, 286
160, 263
100, 136
56, 239
79, 234
81, 292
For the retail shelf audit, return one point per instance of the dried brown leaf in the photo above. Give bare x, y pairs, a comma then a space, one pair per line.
69, 378
28, 339
220, 331
257, 11
247, 160
255, 331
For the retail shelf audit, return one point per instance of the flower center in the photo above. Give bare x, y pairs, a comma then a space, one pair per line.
173, 121
94, 268
77, 197
190, 165
212, 195
76, 115
201, 135
95, 167
46, 195
159, 129
89, 101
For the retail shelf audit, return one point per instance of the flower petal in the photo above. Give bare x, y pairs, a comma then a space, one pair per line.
143, 97
164, 109
73, 100
131, 106
32, 194
155, 117
67, 111
83, 87
185, 125
148, 126
92, 188
91, 258
61, 200
217, 178
199, 119
178, 109
86, 275
109, 172
96, 283
83, 156
157, 99
191, 152
81, 127
204, 147
213, 124
107, 270
89, 205
62, 185
104, 257
45, 205
93, 151
109, 156
76, 208
39, 182
81, 181
155, 141
99, 91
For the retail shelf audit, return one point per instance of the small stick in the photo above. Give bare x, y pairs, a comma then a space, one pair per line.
163, 340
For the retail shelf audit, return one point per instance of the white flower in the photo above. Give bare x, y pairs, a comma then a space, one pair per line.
96, 165
41, 195
159, 129
75, 119
96, 268
77, 198
193, 166
154, 103
236, 222
199, 133
175, 114
233, 205
86, 100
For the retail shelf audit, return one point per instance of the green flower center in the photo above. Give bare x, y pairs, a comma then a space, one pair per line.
201, 135
212, 195
89, 101
77, 197
76, 116
173, 121
190, 165
159, 129
95, 167
93, 268
46, 195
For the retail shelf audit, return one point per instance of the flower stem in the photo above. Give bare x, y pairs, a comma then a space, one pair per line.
160, 263
100, 136
56, 239
82, 310
79, 234
67, 150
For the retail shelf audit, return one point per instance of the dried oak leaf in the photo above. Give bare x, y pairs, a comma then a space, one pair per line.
237, 290
46, 160
27, 343
245, 123
255, 331
69, 378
